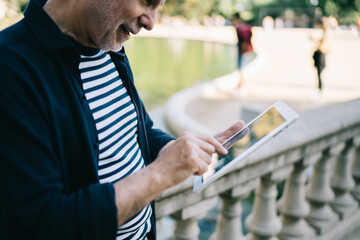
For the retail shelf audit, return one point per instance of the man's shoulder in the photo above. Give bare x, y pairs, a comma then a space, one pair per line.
12, 31
14, 38
17, 44
19, 55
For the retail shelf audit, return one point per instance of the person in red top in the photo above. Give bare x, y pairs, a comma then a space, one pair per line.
244, 34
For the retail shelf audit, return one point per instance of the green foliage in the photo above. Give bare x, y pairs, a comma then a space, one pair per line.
345, 10
348, 17
14, 11
331, 8
357, 5
196, 9
17, 5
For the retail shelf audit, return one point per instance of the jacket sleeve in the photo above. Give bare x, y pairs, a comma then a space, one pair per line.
157, 138
34, 204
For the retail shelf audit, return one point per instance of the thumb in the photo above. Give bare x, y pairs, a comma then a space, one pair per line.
222, 136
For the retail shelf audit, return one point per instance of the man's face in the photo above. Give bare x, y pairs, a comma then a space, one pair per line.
110, 22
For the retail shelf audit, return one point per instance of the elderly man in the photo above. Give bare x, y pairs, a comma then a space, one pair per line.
80, 158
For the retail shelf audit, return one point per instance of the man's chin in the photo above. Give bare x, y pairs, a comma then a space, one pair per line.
117, 48
113, 47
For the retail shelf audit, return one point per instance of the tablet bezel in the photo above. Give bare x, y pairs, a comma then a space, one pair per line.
285, 111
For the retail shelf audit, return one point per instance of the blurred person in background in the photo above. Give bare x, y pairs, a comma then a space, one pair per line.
244, 45
80, 158
319, 55
268, 24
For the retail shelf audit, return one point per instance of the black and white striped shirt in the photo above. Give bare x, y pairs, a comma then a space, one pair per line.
116, 123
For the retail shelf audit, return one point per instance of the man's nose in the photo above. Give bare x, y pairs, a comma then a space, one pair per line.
148, 19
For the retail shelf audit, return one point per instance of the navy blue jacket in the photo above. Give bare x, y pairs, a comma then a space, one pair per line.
48, 141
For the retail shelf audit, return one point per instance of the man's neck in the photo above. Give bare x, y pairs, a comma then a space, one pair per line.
67, 15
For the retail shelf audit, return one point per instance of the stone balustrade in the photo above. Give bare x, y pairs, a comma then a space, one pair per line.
318, 157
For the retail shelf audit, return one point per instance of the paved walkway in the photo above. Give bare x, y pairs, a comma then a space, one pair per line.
289, 72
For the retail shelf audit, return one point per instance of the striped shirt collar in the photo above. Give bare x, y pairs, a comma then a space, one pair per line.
86, 51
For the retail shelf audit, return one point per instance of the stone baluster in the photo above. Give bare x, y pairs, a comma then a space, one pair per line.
322, 218
294, 207
342, 182
263, 222
186, 227
356, 169
229, 225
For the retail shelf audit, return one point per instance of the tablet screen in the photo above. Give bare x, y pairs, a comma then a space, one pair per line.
246, 138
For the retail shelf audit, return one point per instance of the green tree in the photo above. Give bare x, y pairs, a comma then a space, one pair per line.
197, 9
14, 11
17, 5
346, 11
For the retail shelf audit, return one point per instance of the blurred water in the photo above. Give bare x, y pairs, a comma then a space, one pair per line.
162, 67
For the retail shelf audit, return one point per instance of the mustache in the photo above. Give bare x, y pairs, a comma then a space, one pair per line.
134, 29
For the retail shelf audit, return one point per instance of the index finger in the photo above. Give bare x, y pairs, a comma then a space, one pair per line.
207, 141
219, 148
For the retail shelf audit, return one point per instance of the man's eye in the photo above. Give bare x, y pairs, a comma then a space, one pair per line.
149, 2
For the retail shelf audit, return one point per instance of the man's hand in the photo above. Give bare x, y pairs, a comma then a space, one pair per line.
190, 154
223, 136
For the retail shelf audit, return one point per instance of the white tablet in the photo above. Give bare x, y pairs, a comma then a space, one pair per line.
255, 133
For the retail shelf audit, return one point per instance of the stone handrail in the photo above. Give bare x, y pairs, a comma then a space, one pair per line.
319, 204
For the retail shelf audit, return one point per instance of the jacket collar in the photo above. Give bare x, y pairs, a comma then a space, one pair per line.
46, 32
